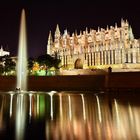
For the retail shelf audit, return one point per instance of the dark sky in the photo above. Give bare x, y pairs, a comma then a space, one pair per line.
43, 16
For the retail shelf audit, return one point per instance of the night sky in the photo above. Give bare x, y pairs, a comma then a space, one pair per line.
43, 16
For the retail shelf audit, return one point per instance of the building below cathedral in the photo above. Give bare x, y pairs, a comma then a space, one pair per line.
2, 52
113, 47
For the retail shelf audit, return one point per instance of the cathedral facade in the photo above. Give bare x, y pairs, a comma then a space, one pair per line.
113, 47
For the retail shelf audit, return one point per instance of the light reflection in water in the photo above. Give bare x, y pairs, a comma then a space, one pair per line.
70, 112
2, 125
51, 95
20, 116
30, 106
11, 103
83, 105
69, 115
61, 106
38, 102
99, 109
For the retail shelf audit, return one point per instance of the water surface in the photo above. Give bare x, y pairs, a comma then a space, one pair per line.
69, 115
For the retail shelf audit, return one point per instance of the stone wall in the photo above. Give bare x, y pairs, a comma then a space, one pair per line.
48, 83
125, 80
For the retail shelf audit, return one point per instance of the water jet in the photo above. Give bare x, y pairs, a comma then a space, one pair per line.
22, 55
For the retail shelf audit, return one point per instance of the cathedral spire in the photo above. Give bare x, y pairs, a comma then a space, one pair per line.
57, 38
57, 31
116, 26
1, 48
75, 33
65, 32
86, 30
131, 35
98, 29
50, 38
107, 28
80, 32
126, 21
50, 43
122, 22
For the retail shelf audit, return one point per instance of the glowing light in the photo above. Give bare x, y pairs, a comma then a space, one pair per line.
41, 72
38, 102
11, 104
61, 111
130, 113
70, 112
117, 111
83, 103
20, 117
121, 126
42, 105
30, 108
51, 107
51, 95
52, 92
99, 109
1, 113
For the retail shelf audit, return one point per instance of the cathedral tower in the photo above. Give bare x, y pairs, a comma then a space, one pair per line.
57, 37
50, 44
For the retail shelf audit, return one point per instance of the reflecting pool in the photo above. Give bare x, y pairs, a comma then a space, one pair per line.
70, 115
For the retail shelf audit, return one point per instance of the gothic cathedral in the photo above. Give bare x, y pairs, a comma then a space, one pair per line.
113, 47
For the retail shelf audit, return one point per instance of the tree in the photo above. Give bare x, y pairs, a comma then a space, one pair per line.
48, 60
56, 63
30, 64
9, 65
1, 69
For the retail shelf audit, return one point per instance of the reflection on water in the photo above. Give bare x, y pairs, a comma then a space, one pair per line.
69, 116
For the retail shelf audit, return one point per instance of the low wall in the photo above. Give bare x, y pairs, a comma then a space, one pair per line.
47, 83
75, 82
7, 83
124, 80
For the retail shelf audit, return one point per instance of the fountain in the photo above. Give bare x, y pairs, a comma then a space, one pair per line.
21, 79
22, 56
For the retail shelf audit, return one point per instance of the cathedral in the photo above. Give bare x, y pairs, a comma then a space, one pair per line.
113, 47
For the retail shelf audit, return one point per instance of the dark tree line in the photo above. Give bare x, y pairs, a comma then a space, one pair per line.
49, 61
7, 64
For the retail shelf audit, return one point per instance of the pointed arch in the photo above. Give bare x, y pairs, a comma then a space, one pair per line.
78, 64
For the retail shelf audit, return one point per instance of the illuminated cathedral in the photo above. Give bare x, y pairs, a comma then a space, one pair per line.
113, 47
